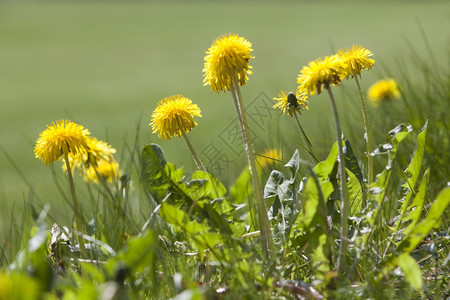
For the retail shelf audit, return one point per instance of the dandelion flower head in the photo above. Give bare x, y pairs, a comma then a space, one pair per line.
174, 116
291, 104
108, 169
229, 56
98, 151
357, 58
61, 138
321, 72
385, 89
98, 159
269, 157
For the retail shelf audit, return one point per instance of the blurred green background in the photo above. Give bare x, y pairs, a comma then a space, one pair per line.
105, 65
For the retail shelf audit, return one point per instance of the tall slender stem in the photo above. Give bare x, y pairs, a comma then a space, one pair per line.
343, 188
76, 208
311, 151
114, 199
368, 135
197, 160
264, 226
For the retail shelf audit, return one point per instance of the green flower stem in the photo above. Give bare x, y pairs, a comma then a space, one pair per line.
197, 160
264, 226
76, 208
368, 136
311, 150
343, 188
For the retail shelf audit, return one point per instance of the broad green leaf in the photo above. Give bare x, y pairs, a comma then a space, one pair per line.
163, 179
138, 254
416, 206
180, 218
413, 169
276, 178
154, 172
351, 162
318, 243
278, 185
271, 190
399, 133
311, 194
432, 220
294, 164
411, 270
324, 168
216, 219
242, 188
379, 187
175, 175
212, 188
318, 233
199, 233
412, 173
242, 194
207, 240
354, 193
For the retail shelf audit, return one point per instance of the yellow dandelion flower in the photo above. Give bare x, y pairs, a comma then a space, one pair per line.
229, 56
385, 89
269, 157
174, 116
61, 138
108, 169
290, 104
357, 59
98, 150
321, 72
99, 156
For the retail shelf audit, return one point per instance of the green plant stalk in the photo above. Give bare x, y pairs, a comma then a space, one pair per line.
368, 135
264, 226
311, 151
114, 199
76, 208
197, 160
343, 188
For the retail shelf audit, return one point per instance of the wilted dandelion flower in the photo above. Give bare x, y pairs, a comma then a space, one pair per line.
174, 116
385, 89
269, 157
356, 59
321, 72
61, 138
229, 56
290, 104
